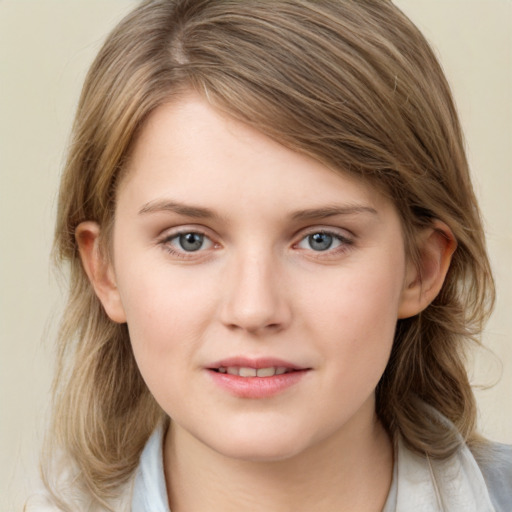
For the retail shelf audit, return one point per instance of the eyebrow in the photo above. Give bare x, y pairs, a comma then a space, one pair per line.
331, 211
198, 212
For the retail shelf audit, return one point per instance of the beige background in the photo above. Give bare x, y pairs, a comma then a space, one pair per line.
45, 48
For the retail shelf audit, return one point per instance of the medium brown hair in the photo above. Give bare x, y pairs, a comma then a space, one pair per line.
353, 84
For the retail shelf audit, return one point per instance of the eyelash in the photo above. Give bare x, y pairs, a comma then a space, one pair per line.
344, 243
166, 243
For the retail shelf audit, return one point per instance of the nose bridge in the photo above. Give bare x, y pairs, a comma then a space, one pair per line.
254, 297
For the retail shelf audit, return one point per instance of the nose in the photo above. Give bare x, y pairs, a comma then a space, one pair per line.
254, 295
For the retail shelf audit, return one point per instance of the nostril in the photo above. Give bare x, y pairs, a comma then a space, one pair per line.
275, 326
254, 309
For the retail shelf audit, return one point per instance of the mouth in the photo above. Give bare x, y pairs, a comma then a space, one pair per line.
248, 367
256, 378
248, 372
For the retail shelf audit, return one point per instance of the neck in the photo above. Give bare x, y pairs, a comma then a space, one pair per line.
351, 470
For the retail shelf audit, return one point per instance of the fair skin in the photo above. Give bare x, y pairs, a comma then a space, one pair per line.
233, 254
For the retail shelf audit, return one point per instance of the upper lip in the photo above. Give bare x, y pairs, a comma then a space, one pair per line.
259, 362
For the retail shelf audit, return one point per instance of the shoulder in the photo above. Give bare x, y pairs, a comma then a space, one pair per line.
466, 481
495, 463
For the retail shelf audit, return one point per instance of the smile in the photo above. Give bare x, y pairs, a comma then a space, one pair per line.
245, 371
256, 378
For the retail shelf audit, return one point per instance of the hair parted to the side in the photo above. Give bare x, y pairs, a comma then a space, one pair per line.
351, 83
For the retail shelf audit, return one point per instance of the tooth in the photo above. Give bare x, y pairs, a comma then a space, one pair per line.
280, 370
232, 370
222, 369
247, 372
266, 372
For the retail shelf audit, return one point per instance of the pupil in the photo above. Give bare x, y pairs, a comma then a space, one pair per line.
320, 241
191, 241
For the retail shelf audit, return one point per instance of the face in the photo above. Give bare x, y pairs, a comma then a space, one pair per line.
261, 289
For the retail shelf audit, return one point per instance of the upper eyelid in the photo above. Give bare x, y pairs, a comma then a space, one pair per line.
330, 230
172, 232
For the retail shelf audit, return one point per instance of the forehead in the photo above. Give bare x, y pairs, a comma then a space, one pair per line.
192, 153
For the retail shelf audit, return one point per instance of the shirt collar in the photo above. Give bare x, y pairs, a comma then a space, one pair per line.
419, 483
149, 490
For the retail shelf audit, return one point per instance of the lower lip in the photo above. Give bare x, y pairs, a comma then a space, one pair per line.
256, 387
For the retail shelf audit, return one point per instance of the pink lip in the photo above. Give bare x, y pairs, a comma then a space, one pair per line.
260, 362
256, 387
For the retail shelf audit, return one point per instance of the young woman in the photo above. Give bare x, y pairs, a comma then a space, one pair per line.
276, 265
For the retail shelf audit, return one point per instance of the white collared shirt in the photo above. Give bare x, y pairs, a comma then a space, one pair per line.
419, 484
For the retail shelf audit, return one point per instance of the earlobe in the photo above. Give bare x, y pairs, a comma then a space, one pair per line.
99, 270
424, 280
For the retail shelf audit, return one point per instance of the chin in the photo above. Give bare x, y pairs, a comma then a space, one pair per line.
277, 446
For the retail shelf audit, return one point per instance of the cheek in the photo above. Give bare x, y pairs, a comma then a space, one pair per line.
357, 321
363, 297
166, 312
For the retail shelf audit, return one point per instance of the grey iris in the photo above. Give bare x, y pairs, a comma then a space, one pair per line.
191, 241
320, 241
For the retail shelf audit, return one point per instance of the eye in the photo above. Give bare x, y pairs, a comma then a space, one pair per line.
323, 241
320, 241
187, 242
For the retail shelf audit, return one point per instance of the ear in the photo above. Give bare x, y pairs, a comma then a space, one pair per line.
99, 270
436, 245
